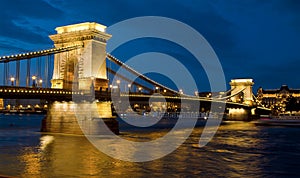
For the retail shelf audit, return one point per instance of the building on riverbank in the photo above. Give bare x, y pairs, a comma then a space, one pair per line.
280, 100
1, 104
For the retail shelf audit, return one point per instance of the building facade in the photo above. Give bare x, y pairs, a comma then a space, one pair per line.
279, 100
1, 104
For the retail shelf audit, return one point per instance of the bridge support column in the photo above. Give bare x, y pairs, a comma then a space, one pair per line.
84, 69
80, 118
244, 89
83, 66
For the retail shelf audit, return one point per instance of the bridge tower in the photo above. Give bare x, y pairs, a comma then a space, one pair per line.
84, 65
244, 86
82, 68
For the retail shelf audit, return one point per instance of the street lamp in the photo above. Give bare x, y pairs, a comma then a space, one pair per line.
41, 83
118, 83
33, 81
140, 89
12, 79
129, 87
156, 89
181, 91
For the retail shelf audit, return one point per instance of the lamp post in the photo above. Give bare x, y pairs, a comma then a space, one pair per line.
33, 81
12, 79
129, 87
140, 89
118, 83
181, 91
41, 83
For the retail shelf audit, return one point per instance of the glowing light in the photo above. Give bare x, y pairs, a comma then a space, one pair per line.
181, 91
45, 140
81, 27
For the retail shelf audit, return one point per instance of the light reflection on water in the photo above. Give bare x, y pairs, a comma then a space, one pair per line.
237, 150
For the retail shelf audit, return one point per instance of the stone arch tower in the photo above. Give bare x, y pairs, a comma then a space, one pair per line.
244, 85
84, 66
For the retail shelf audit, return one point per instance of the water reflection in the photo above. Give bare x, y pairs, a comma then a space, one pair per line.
237, 150
225, 156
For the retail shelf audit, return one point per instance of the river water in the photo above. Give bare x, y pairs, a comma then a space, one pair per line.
239, 149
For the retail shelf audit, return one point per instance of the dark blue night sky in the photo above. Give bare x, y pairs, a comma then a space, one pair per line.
257, 39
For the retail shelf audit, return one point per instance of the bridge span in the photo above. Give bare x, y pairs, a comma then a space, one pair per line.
80, 74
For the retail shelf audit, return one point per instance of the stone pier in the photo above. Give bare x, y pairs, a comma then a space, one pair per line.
80, 118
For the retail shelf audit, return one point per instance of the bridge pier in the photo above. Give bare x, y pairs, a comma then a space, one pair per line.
82, 69
80, 118
239, 114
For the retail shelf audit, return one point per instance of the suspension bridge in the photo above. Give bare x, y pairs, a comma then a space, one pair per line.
78, 65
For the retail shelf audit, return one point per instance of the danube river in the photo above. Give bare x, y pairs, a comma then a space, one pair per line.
238, 149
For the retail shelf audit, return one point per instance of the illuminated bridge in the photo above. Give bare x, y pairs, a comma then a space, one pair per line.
78, 65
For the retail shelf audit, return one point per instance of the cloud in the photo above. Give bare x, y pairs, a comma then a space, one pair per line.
18, 23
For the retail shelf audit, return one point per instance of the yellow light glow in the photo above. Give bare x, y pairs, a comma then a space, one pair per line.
241, 80
81, 27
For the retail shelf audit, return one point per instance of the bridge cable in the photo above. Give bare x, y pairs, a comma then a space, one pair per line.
28, 73
17, 73
128, 68
128, 80
28, 55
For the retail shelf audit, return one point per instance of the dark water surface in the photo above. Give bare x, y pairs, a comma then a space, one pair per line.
238, 150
